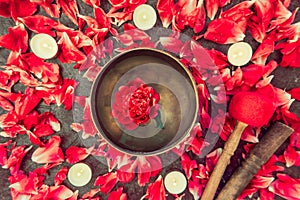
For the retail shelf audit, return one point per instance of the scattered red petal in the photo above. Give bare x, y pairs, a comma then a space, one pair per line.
60, 176
106, 182
188, 165
50, 153
75, 154
3, 152
22, 8
286, 187
15, 159
90, 194
291, 157
165, 10
51, 8
69, 53
156, 190
27, 102
70, 9
42, 24
92, 2
16, 39
5, 8
219, 32
295, 92
118, 194
195, 188
172, 44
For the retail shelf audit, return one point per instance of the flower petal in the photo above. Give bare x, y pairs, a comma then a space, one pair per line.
70, 9
219, 32
69, 52
22, 8
60, 176
156, 190
75, 154
15, 159
188, 165
165, 11
16, 39
106, 182
50, 153
286, 187
118, 194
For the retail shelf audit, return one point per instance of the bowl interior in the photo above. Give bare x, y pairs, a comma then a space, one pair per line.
178, 104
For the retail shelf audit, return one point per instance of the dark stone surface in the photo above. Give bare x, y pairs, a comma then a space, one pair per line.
285, 78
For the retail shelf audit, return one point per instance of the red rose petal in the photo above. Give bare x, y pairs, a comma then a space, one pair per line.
90, 194
212, 159
93, 3
156, 190
188, 165
291, 157
15, 159
126, 173
219, 32
40, 24
60, 176
3, 152
264, 49
51, 153
58, 192
22, 8
27, 102
295, 92
212, 8
16, 39
106, 182
69, 52
5, 104
165, 11
5, 8
286, 187
51, 8
70, 9
75, 154
195, 188
118, 194
171, 44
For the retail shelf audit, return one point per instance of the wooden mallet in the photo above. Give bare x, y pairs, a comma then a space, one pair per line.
259, 155
248, 108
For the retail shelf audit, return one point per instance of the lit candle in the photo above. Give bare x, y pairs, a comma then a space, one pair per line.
43, 46
175, 182
79, 174
144, 17
239, 53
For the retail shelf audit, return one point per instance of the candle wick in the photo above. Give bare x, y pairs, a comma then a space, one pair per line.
78, 174
144, 16
240, 53
174, 182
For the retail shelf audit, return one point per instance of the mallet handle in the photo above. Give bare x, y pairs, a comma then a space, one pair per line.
259, 155
229, 149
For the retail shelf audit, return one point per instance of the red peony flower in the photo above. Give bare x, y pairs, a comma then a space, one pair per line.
135, 104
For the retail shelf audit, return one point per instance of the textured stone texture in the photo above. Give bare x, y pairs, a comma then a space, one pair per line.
285, 78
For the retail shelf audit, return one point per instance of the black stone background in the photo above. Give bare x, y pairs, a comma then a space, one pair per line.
284, 78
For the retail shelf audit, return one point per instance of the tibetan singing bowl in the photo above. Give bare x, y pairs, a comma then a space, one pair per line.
144, 102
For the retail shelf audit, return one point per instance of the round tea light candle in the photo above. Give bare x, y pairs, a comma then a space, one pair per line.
79, 174
175, 182
144, 17
239, 53
43, 46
